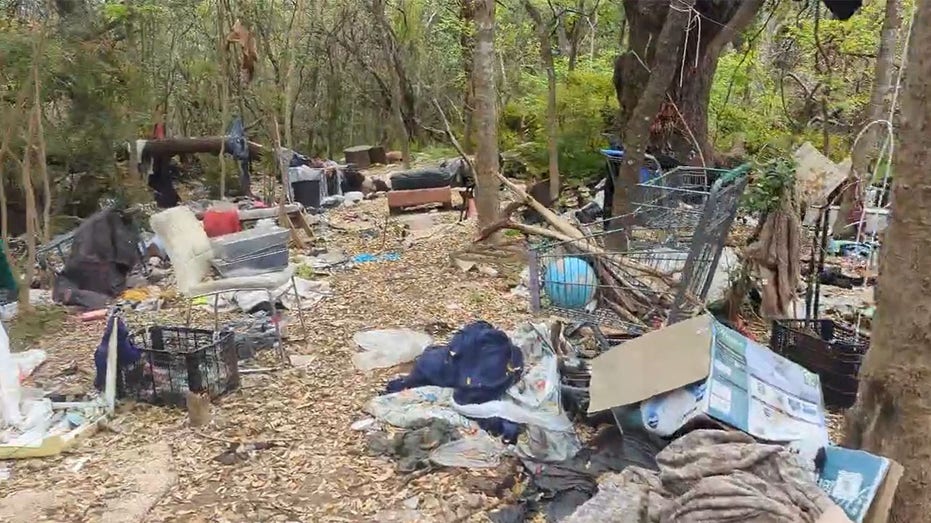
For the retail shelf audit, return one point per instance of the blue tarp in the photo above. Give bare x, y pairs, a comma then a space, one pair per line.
480, 363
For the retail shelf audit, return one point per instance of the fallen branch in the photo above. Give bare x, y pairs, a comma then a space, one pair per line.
554, 219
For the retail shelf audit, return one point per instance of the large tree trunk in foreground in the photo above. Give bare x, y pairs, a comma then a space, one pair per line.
636, 132
893, 412
686, 137
865, 149
486, 114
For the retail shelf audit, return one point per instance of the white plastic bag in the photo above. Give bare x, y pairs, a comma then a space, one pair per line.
28, 361
9, 384
35, 425
386, 348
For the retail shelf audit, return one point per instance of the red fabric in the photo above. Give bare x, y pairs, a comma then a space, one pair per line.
218, 223
158, 132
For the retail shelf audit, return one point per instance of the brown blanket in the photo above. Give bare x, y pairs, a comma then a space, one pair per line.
711, 476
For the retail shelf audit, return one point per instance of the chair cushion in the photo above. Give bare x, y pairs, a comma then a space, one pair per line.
259, 282
186, 244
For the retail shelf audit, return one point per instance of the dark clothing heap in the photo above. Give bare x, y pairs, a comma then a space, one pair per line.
480, 363
104, 250
127, 352
558, 489
162, 182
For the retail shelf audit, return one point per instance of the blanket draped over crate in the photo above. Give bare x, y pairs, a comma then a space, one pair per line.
711, 476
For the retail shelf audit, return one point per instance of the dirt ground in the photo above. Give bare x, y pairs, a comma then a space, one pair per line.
149, 465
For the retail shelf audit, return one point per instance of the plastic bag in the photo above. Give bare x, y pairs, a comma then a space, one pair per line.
9, 383
28, 361
35, 425
480, 451
388, 347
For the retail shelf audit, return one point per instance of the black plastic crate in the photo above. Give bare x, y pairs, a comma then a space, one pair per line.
832, 350
176, 360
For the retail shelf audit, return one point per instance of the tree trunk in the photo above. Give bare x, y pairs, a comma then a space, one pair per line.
224, 94
865, 149
893, 409
552, 128
467, 47
636, 132
486, 114
43, 166
401, 98
31, 215
685, 137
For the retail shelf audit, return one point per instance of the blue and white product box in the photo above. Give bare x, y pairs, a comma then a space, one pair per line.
699, 369
852, 478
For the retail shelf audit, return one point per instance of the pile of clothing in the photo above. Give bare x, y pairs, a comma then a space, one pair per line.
487, 381
104, 251
480, 363
709, 476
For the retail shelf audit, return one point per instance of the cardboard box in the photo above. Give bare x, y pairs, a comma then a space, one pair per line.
415, 197
860, 483
699, 370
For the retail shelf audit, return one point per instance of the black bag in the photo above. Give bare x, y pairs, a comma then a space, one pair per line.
421, 179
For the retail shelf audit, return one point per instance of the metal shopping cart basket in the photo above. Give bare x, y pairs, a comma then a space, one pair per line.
676, 235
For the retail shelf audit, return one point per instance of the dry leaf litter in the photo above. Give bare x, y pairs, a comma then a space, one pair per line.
316, 469
148, 464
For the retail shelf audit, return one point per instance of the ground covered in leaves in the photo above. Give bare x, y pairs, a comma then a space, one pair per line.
148, 464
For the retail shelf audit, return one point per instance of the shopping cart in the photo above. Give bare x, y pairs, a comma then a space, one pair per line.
675, 237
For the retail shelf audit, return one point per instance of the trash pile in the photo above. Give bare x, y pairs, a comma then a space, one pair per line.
693, 419
122, 267
685, 414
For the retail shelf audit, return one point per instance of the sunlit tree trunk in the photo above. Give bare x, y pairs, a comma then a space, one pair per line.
31, 215
893, 410
395, 72
224, 93
486, 114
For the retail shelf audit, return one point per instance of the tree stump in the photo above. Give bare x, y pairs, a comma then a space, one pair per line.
360, 156
198, 409
378, 155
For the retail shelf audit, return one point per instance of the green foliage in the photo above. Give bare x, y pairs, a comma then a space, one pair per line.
772, 92
769, 183
585, 103
110, 70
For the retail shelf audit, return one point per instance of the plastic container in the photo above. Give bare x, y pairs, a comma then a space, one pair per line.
220, 220
178, 360
307, 193
249, 243
829, 349
614, 165
269, 260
